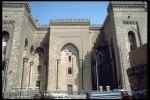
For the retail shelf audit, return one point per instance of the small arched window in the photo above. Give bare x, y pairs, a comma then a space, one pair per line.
69, 70
5, 38
32, 49
26, 44
39, 56
69, 58
132, 40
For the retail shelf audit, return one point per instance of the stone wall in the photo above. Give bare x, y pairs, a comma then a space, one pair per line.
138, 56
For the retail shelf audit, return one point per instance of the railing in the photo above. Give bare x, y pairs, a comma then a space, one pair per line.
35, 94
19, 94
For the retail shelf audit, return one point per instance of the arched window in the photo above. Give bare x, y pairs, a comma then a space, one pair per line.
5, 39
69, 70
25, 48
32, 49
69, 58
39, 56
132, 40
26, 44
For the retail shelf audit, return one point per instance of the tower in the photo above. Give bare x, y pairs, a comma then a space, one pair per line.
125, 29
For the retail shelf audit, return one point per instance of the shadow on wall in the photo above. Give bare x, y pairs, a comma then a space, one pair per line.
45, 46
84, 83
87, 78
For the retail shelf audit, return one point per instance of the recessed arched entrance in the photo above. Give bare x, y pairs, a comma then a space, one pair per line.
68, 69
40, 68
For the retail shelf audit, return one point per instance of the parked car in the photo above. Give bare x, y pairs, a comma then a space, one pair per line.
124, 93
60, 96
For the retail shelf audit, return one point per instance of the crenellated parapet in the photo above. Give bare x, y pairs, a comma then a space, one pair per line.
137, 69
95, 26
42, 27
16, 4
126, 5
69, 22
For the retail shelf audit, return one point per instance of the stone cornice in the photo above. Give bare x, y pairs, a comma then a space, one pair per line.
95, 27
8, 22
70, 22
126, 5
16, 4
127, 2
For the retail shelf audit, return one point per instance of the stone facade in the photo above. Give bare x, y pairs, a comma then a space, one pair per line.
59, 56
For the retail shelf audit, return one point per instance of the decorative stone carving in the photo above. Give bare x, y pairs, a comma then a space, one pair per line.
11, 22
129, 22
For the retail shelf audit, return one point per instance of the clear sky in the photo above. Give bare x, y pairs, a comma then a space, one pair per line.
96, 11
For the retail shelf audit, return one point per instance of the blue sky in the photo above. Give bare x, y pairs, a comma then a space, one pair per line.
95, 11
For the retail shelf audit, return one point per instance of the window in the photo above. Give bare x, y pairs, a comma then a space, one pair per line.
4, 52
5, 39
26, 44
69, 58
69, 89
69, 70
39, 56
39, 68
4, 49
132, 40
38, 84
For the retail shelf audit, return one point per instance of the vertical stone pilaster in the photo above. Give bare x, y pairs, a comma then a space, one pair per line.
24, 74
81, 75
58, 64
30, 73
